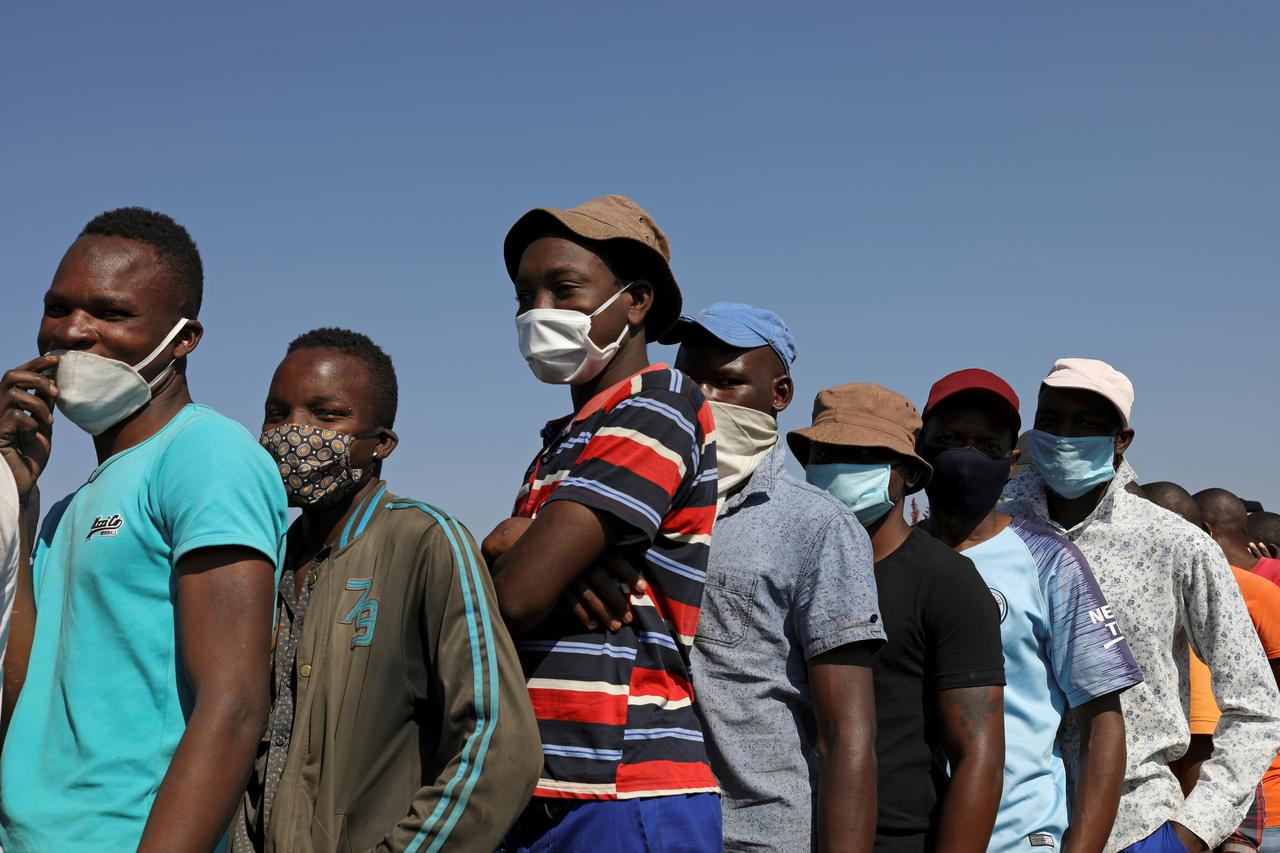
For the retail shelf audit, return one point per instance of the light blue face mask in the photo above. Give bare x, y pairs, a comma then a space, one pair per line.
862, 488
1073, 466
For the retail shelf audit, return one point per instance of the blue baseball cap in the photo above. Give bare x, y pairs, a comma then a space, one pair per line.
738, 325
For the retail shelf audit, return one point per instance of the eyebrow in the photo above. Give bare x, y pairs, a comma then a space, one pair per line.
323, 400
562, 270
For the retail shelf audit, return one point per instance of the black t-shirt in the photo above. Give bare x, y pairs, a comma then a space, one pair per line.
944, 632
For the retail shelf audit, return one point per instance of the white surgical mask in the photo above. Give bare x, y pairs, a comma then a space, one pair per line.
556, 342
96, 393
744, 438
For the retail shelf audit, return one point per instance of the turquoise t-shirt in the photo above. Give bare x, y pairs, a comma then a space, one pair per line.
106, 700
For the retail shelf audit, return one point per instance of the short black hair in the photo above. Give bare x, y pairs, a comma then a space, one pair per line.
385, 389
174, 248
1264, 527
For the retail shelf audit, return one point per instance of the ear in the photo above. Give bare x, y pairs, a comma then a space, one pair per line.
1123, 440
387, 444
641, 293
188, 339
911, 477
784, 389
1013, 465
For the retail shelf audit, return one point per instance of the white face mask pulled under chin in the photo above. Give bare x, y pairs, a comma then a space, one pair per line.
744, 438
96, 393
556, 342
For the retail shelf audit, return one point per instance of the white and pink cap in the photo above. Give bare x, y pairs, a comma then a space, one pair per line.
1090, 374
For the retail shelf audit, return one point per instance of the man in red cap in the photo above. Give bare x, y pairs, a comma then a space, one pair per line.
1061, 645
631, 474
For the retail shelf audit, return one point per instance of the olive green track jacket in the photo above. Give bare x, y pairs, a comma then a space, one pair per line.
412, 729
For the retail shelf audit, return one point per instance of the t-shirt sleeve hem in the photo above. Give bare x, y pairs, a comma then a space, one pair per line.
970, 678
1202, 725
868, 633
228, 539
1087, 693
627, 515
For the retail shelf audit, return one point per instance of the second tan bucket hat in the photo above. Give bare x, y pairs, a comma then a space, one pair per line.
608, 218
862, 414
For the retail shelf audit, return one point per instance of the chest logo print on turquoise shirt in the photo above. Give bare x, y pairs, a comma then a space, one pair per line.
364, 615
108, 526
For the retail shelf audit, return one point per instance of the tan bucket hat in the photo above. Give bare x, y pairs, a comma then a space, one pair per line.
610, 217
862, 414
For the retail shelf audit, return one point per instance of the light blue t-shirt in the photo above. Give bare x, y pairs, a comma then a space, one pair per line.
106, 700
1062, 648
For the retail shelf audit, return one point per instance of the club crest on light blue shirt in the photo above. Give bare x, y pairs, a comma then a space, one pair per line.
1002, 603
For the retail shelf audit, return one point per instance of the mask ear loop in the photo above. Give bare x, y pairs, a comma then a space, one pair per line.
611, 299
626, 327
168, 339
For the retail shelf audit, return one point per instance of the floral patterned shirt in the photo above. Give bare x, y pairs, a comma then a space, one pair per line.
1170, 585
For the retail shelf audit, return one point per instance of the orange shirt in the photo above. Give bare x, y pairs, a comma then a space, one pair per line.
1262, 597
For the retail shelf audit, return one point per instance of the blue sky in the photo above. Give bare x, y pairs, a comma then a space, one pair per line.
916, 188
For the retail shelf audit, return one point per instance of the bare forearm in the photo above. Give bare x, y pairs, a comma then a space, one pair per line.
973, 740
1097, 791
537, 567
22, 624
523, 606
847, 795
211, 767
970, 805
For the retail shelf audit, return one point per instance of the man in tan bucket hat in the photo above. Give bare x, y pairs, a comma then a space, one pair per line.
629, 476
939, 678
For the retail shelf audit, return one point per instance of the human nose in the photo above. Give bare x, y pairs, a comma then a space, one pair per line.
544, 299
72, 332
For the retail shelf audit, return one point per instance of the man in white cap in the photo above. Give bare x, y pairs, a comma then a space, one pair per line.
1170, 585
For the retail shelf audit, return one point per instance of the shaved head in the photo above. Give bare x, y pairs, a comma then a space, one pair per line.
1174, 498
1222, 512
1225, 520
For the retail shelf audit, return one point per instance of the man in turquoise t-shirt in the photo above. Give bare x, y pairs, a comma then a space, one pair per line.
144, 625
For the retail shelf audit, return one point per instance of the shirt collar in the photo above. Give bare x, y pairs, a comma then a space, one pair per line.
595, 404
1027, 490
763, 478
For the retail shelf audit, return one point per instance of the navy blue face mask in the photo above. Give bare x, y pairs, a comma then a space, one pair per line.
966, 482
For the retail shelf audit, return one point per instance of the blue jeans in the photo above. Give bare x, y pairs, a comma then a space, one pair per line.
1270, 840
684, 823
1163, 840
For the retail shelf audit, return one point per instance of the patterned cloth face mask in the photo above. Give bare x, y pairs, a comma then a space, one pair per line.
314, 463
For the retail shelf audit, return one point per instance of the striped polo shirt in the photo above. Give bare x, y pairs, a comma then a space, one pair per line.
615, 708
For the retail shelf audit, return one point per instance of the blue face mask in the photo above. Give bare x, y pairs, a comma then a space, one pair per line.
1073, 466
862, 488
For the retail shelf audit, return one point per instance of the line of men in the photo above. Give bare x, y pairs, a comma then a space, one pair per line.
672, 644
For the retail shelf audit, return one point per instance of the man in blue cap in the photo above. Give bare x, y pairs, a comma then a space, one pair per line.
782, 657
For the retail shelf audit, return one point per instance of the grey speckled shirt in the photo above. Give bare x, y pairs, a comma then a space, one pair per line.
1169, 584
790, 577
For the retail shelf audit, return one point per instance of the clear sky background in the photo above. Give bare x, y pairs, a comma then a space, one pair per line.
916, 188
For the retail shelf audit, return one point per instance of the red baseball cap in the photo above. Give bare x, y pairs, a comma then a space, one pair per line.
974, 379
